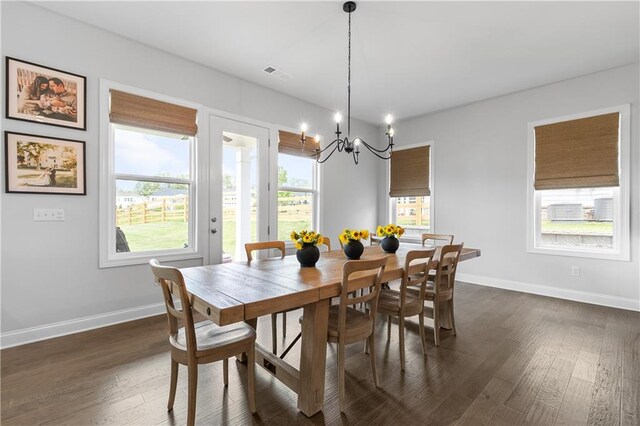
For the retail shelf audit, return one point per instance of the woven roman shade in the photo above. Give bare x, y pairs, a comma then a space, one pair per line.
137, 111
579, 153
289, 143
410, 173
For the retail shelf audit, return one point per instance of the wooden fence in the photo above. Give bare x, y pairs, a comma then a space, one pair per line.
169, 209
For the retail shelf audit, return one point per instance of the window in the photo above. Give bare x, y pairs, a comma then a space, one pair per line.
578, 180
410, 189
149, 183
297, 187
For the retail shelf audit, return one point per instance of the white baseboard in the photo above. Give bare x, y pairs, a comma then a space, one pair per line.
49, 331
560, 293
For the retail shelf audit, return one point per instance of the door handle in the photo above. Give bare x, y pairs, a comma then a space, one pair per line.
214, 230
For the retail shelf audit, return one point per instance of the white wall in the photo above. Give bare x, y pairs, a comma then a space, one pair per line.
480, 172
51, 283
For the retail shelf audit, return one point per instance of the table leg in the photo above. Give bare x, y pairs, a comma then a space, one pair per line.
313, 357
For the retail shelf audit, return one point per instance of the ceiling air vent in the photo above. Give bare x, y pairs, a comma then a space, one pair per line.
277, 73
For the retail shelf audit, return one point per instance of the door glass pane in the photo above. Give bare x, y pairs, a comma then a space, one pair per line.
239, 194
151, 216
295, 212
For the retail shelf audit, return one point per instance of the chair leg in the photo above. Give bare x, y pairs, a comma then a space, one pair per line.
191, 395
251, 378
341, 355
452, 318
174, 384
436, 322
284, 324
422, 333
372, 358
401, 336
225, 371
274, 334
388, 327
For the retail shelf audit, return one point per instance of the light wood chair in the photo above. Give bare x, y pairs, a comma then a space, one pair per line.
270, 245
200, 343
394, 303
448, 239
327, 242
374, 240
349, 325
440, 290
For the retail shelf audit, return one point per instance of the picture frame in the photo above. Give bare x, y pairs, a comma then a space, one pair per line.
37, 164
45, 95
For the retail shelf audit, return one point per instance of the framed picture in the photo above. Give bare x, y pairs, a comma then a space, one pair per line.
45, 95
41, 165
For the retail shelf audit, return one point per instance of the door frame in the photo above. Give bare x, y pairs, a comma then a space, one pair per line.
214, 161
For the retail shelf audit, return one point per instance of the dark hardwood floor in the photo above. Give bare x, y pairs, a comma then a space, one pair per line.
517, 359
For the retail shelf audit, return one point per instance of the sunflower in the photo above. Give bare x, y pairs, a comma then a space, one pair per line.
298, 245
365, 234
306, 239
356, 235
380, 231
294, 235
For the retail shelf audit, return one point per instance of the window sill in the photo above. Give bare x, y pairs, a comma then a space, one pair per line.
589, 254
142, 258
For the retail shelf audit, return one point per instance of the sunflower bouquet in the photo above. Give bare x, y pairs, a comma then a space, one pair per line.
306, 238
353, 235
390, 230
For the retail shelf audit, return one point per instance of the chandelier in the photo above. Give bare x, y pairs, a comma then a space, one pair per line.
347, 144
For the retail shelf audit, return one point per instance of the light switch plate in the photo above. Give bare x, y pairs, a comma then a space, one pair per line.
48, 215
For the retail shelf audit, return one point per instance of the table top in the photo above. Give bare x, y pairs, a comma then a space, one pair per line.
233, 292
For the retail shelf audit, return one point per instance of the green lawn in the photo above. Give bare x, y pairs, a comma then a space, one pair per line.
156, 236
589, 228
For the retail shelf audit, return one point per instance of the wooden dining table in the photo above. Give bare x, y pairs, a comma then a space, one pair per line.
243, 291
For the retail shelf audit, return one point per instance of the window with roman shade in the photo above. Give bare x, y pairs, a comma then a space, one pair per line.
289, 143
580, 153
137, 111
578, 183
410, 173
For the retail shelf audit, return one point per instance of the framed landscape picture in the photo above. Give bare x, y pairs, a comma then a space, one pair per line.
45, 95
41, 165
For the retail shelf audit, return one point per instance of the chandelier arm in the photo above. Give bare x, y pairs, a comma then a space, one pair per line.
380, 156
327, 157
335, 141
373, 149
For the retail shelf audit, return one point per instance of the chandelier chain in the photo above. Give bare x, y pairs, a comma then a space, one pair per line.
349, 84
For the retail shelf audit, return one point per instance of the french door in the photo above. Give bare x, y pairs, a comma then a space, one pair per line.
239, 179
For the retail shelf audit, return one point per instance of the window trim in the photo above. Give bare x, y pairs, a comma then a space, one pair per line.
107, 255
621, 227
391, 209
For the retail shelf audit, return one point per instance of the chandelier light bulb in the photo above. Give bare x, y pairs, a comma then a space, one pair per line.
303, 127
388, 119
337, 117
357, 142
391, 132
317, 138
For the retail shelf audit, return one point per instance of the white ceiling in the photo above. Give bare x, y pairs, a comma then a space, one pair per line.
408, 58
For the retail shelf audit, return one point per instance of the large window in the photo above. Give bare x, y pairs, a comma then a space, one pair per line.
410, 189
297, 187
147, 209
578, 180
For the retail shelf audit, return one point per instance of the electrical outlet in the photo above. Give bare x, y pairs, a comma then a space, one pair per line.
575, 271
48, 215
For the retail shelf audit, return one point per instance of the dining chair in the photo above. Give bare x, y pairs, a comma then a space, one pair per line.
327, 242
398, 303
349, 325
437, 237
201, 343
440, 290
374, 240
271, 245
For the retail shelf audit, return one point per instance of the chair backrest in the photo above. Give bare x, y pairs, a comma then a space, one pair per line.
367, 274
171, 281
447, 266
266, 245
437, 237
374, 240
415, 278
327, 242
